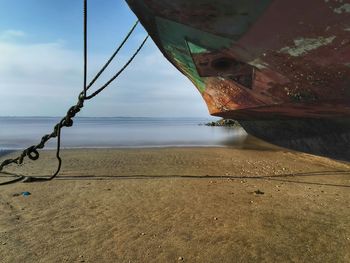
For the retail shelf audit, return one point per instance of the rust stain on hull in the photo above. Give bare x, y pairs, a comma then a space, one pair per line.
280, 59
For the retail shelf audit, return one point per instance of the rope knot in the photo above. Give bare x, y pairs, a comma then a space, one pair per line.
81, 96
68, 122
33, 153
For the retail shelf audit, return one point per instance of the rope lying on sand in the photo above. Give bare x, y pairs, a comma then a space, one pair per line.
67, 121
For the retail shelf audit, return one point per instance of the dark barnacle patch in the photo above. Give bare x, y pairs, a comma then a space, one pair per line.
301, 96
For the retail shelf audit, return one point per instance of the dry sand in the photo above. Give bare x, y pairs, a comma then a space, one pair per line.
179, 205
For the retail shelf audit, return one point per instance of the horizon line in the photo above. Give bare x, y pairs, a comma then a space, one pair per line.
36, 116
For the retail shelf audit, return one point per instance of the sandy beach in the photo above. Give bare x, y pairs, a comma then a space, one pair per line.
254, 204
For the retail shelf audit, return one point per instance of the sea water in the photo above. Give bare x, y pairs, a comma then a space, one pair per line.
118, 132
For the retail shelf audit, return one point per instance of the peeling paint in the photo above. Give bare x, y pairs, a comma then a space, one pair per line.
342, 9
248, 67
258, 63
303, 45
195, 49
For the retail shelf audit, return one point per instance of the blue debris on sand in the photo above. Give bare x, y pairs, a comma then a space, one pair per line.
26, 193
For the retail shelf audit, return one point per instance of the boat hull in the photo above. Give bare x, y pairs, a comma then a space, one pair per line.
272, 65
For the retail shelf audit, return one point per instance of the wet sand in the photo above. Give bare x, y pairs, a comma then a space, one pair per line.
255, 204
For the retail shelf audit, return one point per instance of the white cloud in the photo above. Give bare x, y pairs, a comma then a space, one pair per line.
11, 34
45, 78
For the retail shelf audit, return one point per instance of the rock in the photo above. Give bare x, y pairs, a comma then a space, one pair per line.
25, 194
258, 192
215, 218
142, 234
180, 258
223, 123
213, 123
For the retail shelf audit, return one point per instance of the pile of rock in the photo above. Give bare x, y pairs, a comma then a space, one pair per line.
224, 123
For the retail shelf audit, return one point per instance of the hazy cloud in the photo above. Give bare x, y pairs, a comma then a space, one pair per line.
10, 34
45, 78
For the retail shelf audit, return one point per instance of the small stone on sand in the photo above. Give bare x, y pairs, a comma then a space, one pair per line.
258, 192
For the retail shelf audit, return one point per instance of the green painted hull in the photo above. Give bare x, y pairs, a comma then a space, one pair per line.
269, 64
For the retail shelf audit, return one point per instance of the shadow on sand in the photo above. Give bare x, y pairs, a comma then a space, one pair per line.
281, 178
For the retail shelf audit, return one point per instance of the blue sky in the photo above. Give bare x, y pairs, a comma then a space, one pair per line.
41, 63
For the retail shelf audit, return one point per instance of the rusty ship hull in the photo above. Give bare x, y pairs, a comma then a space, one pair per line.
279, 67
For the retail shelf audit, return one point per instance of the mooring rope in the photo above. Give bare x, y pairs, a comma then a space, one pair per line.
67, 121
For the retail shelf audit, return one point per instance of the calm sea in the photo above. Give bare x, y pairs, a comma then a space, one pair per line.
20, 132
